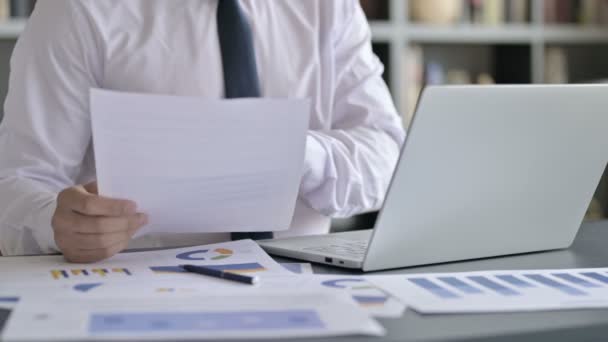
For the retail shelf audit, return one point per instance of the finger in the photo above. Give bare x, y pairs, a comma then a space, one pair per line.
92, 188
78, 200
81, 224
90, 256
98, 241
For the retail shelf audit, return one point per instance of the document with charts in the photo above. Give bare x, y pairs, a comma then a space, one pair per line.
369, 297
495, 291
201, 165
244, 256
230, 315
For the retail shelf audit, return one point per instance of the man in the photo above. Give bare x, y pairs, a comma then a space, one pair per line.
315, 49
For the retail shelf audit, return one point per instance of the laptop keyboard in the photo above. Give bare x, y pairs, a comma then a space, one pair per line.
345, 248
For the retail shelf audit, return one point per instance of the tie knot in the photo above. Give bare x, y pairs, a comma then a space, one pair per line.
238, 55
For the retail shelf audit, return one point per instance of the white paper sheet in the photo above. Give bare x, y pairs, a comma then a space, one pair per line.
198, 165
244, 256
193, 317
498, 291
369, 297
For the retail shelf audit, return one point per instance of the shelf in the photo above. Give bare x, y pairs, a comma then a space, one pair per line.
383, 31
467, 34
472, 34
573, 34
12, 28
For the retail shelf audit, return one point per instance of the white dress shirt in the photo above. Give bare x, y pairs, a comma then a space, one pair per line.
315, 49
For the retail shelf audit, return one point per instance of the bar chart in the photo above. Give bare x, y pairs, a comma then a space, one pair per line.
503, 290
102, 324
58, 274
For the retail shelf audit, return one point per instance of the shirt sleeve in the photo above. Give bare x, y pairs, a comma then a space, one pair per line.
348, 168
46, 129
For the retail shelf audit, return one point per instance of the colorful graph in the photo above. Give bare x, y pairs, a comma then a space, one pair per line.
86, 287
348, 283
370, 300
94, 272
112, 323
251, 267
575, 284
216, 254
362, 292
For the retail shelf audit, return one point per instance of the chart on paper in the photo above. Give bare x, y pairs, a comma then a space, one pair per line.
228, 315
58, 274
503, 290
243, 256
367, 295
104, 324
204, 254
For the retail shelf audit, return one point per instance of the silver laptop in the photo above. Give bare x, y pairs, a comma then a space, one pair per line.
485, 171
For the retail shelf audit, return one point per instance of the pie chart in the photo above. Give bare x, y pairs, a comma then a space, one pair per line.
204, 254
348, 283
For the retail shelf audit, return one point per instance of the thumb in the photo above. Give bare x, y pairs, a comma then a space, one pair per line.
92, 188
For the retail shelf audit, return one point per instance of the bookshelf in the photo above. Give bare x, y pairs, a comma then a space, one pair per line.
524, 43
395, 32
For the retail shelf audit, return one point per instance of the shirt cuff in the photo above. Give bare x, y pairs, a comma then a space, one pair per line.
315, 160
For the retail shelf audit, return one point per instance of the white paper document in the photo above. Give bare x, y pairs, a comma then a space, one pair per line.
211, 316
199, 165
496, 291
369, 297
147, 295
244, 256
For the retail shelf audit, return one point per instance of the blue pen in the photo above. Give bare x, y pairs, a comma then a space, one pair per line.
212, 272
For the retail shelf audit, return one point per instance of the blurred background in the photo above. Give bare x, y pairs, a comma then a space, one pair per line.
427, 42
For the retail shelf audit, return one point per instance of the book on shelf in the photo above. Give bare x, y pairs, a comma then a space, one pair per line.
5, 10
375, 9
498, 12
603, 12
556, 66
582, 12
518, 11
484, 12
413, 61
436, 12
494, 13
420, 72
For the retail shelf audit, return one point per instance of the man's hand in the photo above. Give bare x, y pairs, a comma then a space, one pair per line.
90, 228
